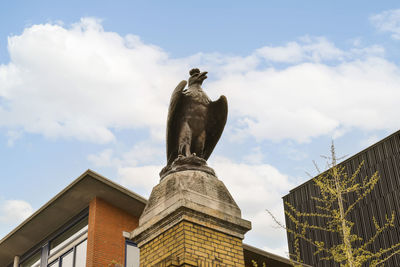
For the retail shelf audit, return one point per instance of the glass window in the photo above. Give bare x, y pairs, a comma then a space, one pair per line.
68, 235
76, 254
132, 255
54, 264
32, 261
68, 259
68, 248
80, 254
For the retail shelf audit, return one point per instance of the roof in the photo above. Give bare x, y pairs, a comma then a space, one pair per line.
64, 206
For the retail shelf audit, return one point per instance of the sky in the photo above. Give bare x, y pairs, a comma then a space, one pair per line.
86, 85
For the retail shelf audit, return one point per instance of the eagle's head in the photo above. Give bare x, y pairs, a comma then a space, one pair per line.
197, 77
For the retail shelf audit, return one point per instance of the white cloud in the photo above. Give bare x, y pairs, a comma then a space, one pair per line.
370, 140
83, 82
137, 168
14, 211
312, 99
293, 153
12, 137
145, 153
388, 21
255, 156
315, 49
104, 159
310, 49
141, 153
255, 188
140, 179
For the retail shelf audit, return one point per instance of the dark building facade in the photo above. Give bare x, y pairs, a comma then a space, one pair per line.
384, 157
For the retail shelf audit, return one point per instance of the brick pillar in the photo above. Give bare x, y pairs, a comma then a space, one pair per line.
105, 244
189, 244
191, 220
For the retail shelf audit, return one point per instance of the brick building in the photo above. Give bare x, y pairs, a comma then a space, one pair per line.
92, 223
384, 157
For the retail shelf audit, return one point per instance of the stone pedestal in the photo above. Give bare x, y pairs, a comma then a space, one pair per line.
191, 220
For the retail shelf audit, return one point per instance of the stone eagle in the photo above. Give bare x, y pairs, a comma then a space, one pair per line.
195, 123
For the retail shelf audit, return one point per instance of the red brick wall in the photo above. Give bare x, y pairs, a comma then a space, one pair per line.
105, 242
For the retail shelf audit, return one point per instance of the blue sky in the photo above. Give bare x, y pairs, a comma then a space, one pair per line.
87, 85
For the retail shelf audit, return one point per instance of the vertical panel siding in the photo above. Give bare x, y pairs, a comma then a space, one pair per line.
383, 157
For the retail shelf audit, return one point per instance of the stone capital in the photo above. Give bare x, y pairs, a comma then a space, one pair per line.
193, 196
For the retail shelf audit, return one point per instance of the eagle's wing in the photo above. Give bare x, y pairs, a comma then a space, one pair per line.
216, 120
174, 115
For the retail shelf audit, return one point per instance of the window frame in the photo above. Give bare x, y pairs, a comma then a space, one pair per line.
67, 248
31, 253
44, 245
129, 243
61, 253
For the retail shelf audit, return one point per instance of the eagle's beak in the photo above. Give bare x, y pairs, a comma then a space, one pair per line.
203, 74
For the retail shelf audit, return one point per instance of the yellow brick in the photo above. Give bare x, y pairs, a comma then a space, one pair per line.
208, 247
195, 245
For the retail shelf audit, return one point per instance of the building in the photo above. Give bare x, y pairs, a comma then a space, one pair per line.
89, 223
384, 157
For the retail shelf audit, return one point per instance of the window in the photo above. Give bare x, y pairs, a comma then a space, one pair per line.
69, 248
75, 257
131, 254
68, 259
66, 247
54, 264
80, 254
33, 261
68, 236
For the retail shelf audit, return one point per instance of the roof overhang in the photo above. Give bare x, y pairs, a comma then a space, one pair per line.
64, 206
253, 253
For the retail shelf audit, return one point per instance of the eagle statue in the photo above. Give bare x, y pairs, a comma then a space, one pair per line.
195, 123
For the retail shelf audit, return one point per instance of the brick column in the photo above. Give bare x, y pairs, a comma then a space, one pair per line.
189, 244
191, 220
105, 244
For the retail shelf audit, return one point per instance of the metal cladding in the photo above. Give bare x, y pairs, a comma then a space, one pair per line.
383, 157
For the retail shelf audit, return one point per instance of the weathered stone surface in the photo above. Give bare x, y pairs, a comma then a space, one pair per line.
182, 163
201, 188
194, 196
